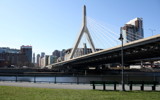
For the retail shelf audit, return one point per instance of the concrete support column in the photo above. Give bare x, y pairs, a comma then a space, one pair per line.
85, 72
152, 63
141, 64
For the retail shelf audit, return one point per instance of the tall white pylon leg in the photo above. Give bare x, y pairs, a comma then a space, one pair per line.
83, 30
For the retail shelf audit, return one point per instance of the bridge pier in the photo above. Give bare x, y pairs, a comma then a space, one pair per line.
85, 72
141, 63
152, 63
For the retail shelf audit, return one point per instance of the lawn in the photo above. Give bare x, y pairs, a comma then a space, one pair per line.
24, 93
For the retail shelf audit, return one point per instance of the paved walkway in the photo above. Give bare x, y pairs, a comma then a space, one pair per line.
69, 86
47, 85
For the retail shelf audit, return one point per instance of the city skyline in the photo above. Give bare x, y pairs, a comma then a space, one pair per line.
47, 25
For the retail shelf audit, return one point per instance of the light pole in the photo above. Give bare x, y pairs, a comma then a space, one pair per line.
122, 81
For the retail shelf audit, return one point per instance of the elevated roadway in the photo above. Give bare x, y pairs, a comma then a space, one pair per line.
147, 49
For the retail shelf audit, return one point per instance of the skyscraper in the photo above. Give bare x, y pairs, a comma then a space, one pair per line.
33, 58
50, 59
62, 53
27, 51
44, 61
56, 53
42, 54
38, 60
41, 59
133, 30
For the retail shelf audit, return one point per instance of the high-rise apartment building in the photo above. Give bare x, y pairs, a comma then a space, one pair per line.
133, 30
27, 51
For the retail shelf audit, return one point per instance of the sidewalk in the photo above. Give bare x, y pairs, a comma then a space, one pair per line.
69, 86
47, 85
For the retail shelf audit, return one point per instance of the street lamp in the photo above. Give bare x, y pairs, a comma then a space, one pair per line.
122, 81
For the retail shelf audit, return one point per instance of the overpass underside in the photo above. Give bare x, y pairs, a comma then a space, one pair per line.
144, 50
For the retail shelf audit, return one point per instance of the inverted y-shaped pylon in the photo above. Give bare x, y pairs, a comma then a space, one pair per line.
84, 30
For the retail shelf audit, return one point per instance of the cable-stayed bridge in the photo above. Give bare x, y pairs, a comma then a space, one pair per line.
90, 53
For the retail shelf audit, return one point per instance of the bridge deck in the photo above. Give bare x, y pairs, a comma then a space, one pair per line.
148, 46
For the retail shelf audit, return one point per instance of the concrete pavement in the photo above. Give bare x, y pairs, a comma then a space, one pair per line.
69, 86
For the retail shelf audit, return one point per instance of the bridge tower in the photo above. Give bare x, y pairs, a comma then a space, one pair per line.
84, 30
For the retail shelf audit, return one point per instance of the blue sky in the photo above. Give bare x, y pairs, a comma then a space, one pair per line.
54, 24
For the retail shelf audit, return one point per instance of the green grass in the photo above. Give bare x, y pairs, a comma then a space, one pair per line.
24, 93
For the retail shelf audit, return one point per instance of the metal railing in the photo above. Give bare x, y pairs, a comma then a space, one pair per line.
78, 79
